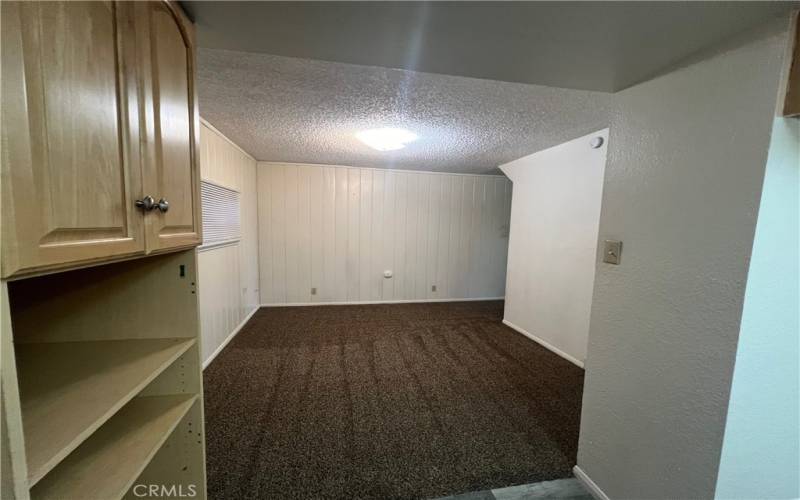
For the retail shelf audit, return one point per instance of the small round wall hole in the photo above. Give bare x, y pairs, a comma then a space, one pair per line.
596, 142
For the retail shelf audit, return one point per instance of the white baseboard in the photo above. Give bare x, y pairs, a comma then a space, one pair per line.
543, 343
590, 485
230, 337
365, 302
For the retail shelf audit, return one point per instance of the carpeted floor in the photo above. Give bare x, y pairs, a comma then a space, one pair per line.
386, 401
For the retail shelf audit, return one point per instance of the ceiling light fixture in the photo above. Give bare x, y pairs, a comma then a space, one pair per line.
386, 139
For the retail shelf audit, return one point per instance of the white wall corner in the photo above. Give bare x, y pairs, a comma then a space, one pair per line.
230, 337
544, 344
590, 485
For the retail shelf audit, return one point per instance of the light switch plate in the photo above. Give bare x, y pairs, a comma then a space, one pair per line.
612, 251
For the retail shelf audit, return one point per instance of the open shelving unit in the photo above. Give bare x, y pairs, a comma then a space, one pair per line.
106, 366
136, 433
84, 383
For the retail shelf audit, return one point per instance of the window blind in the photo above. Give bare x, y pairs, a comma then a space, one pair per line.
221, 214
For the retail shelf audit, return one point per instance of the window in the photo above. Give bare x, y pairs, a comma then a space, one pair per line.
221, 214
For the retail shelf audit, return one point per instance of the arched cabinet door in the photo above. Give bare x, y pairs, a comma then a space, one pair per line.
171, 126
70, 143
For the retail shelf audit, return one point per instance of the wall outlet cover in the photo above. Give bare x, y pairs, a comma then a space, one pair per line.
612, 251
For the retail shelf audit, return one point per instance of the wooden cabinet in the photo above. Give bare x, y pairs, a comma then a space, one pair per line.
70, 162
98, 110
173, 125
100, 374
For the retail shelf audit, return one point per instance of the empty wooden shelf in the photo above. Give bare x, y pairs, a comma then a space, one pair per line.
69, 389
107, 464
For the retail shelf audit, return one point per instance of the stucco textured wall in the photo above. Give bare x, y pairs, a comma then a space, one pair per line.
555, 213
686, 162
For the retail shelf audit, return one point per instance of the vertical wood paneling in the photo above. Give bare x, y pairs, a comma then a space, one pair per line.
277, 194
455, 277
340, 235
248, 245
316, 231
365, 254
230, 276
401, 250
413, 207
303, 292
329, 267
468, 236
265, 250
292, 230
432, 229
421, 287
391, 226
444, 210
476, 275
337, 229
377, 247
353, 232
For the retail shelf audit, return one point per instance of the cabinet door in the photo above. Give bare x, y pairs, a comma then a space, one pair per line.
172, 126
70, 159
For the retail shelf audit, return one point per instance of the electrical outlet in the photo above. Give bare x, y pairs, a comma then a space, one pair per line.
433, 288
313, 291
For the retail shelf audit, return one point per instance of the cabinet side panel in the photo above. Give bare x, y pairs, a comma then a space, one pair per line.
13, 467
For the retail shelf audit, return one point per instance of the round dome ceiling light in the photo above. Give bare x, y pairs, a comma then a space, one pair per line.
387, 138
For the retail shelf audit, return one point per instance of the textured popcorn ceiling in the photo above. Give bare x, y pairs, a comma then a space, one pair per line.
307, 111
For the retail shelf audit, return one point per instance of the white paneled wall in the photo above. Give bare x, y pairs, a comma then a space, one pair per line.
229, 287
337, 229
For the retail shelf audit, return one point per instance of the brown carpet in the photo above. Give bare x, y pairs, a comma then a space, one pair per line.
386, 401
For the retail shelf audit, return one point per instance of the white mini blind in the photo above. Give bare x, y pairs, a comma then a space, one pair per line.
221, 214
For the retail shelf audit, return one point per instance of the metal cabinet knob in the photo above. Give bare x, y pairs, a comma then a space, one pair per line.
162, 205
147, 203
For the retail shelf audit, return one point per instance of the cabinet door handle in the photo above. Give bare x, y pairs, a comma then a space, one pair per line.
146, 204
162, 205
